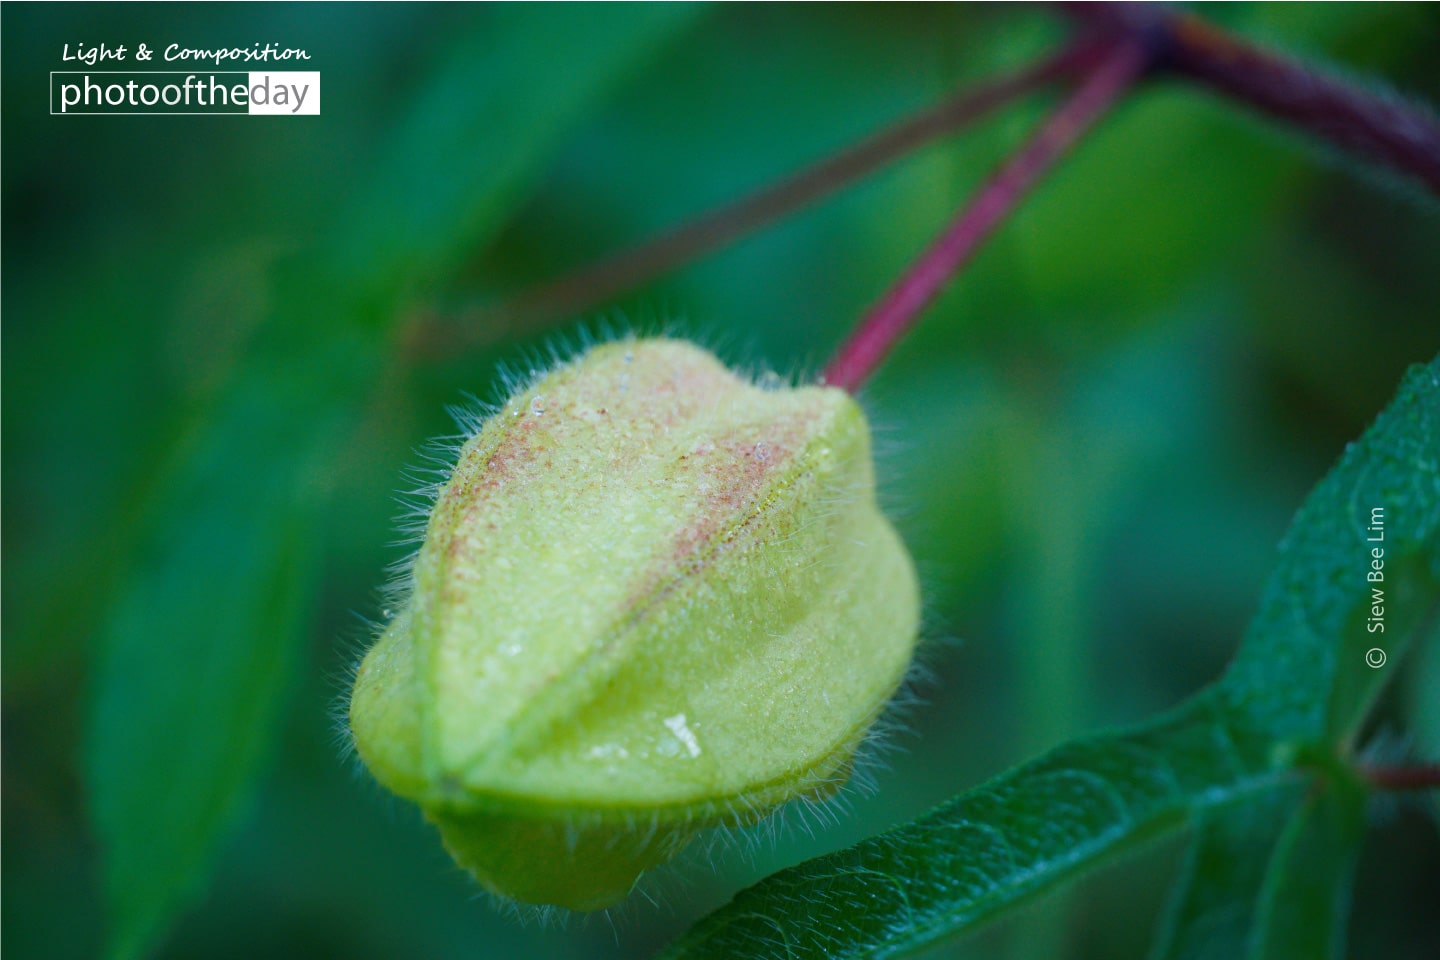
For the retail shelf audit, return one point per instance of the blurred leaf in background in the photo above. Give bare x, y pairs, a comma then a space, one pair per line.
1092, 443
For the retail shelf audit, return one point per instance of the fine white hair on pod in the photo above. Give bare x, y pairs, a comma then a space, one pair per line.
649, 599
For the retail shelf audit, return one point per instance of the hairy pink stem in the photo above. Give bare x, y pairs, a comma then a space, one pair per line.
1374, 124
1377, 126
879, 330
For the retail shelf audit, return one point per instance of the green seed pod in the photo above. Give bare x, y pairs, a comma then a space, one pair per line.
651, 598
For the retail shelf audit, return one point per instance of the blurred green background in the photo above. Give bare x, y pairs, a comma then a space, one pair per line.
1092, 443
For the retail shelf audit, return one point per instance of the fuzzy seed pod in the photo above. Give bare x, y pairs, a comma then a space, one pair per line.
651, 598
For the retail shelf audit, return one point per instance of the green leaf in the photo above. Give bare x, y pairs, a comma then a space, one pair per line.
205, 637
1269, 878
1247, 740
195, 657
1306, 898
203, 641
489, 117
1212, 910
1302, 676
995, 846
1301, 673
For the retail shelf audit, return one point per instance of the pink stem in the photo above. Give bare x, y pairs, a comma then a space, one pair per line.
1403, 778
1373, 124
886, 322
